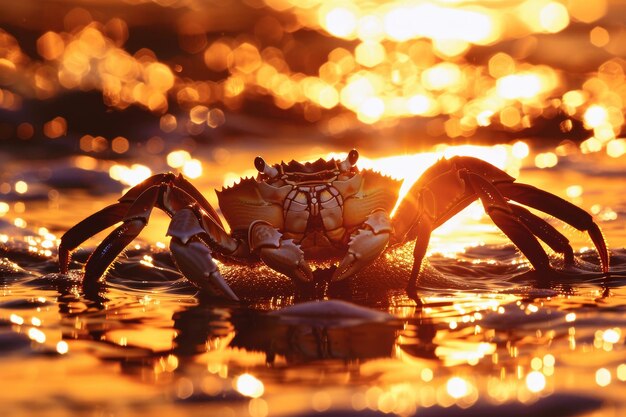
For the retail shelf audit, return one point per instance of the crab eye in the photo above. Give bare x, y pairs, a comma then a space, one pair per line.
353, 156
347, 164
263, 168
259, 164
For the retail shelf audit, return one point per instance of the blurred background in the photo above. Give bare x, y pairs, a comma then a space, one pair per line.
111, 79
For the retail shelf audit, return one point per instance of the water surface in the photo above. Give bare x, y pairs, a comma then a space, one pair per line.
492, 338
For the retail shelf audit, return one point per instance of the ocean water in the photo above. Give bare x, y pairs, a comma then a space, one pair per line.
492, 338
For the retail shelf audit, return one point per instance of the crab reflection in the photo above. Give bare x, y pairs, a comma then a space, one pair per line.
307, 334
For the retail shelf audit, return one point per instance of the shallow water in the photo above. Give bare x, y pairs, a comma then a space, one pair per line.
493, 338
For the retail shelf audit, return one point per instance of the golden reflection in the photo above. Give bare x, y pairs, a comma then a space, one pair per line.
55, 128
535, 381
192, 168
62, 347
130, 176
36, 335
599, 36
21, 187
457, 387
616, 148
16, 319
611, 335
249, 385
184, 388
574, 191
595, 116
321, 401
120, 145
408, 59
177, 159
603, 377
454, 353
258, 407
19, 222
546, 160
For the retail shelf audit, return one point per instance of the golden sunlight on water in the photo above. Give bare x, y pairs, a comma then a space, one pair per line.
461, 350
405, 59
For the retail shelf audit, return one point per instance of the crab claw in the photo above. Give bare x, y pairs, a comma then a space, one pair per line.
282, 255
193, 256
366, 245
195, 262
288, 259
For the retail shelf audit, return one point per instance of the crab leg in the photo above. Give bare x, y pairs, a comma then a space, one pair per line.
109, 249
410, 222
90, 226
104, 219
423, 229
176, 199
182, 183
504, 217
193, 256
135, 220
561, 209
158, 179
546, 232
195, 224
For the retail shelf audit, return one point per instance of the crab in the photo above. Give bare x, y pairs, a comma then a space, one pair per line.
293, 214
